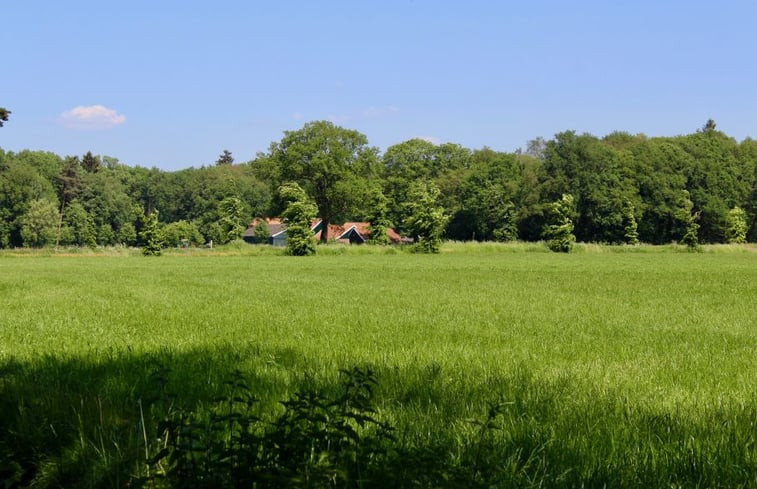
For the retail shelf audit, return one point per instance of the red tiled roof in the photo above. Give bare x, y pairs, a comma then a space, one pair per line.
276, 225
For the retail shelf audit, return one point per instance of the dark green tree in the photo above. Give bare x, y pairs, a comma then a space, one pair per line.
70, 182
486, 210
326, 160
79, 227
90, 162
151, 236
297, 216
4, 113
225, 158
599, 178
559, 229
22, 180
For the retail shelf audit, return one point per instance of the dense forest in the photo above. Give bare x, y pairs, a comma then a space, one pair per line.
621, 187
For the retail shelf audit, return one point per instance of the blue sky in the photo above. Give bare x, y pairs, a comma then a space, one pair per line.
171, 84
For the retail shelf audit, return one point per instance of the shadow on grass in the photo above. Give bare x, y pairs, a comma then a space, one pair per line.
106, 421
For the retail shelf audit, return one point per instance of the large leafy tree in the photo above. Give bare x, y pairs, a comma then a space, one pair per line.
599, 178
40, 223
717, 179
21, 182
486, 210
328, 162
414, 160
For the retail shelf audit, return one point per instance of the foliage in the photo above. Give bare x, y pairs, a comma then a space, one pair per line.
261, 231
127, 234
486, 210
377, 216
4, 113
297, 216
317, 441
40, 223
689, 219
225, 158
425, 219
631, 234
90, 162
232, 221
489, 195
181, 234
559, 229
327, 161
736, 227
79, 226
151, 236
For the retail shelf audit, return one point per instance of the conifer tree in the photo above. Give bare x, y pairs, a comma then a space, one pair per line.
736, 227
297, 215
426, 219
559, 229
151, 235
630, 228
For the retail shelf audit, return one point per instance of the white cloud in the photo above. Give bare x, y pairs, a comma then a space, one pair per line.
373, 112
91, 117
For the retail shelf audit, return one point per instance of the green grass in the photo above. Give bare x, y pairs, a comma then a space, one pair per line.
616, 366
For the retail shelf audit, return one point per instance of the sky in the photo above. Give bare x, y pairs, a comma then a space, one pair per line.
171, 84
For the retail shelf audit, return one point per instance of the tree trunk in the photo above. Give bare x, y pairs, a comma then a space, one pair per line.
324, 230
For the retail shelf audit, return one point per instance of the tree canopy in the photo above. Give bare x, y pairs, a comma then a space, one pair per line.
694, 188
327, 161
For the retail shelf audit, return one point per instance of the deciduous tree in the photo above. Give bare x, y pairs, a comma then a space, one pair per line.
325, 160
40, 223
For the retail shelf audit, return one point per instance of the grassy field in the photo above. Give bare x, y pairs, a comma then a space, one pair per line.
496, 366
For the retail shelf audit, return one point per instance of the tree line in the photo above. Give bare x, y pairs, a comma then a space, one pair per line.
620, 188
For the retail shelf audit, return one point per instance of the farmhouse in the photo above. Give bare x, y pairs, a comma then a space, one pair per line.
348, 233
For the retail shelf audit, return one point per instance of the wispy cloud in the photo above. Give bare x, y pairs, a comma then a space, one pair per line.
373, 112
91, 117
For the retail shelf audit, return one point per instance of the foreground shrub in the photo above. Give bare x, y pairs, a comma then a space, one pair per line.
318, 441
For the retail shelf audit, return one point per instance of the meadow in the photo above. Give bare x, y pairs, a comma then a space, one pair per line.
495, 366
